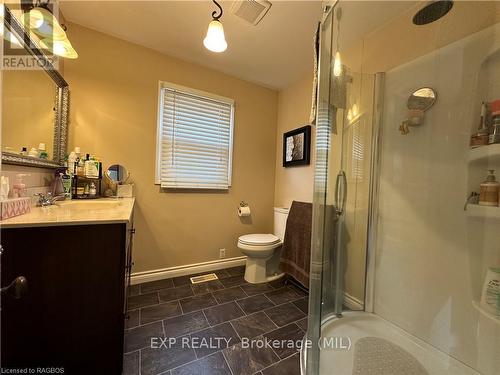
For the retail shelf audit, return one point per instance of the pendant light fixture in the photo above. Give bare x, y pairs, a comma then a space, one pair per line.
45, 26
337, 63
215, 40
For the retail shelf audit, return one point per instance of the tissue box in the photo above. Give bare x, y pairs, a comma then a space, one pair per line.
14, 207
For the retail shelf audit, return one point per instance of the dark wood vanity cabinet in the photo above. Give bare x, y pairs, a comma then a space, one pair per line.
72, 315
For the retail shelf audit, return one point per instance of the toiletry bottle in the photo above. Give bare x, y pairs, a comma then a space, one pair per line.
67, 183
4, 188
71, 163
92, 190
24, 151
488, 194
42, 152
482, 136
86, 190
19, 187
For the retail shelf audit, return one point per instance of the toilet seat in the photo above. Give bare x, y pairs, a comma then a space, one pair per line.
259, 239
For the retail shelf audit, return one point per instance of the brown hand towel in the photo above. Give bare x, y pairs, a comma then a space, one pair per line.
296, 252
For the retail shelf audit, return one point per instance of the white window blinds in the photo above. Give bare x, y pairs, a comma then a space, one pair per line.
194, 139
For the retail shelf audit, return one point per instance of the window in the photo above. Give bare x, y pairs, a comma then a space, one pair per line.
195, 139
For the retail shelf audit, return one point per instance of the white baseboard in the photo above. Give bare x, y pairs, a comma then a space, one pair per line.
188, 269
352, 302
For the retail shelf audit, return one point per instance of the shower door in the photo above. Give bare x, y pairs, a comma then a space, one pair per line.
341, 189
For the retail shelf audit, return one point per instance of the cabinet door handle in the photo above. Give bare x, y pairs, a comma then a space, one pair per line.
17, 288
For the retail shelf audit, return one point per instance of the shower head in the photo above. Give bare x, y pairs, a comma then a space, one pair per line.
433, 11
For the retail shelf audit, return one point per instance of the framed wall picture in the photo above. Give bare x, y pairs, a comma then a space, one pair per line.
297, 147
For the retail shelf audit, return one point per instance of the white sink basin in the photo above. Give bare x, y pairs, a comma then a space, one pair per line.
89, 205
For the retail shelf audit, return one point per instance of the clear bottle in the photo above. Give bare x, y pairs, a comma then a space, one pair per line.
92, 190
488, 194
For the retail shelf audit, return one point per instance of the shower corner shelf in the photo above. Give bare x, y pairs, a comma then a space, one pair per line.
475, 210
490, 153
478, 307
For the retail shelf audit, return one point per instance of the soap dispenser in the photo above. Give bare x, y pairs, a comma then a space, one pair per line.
488, 195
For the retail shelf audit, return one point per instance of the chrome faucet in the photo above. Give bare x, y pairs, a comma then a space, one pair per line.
45, 200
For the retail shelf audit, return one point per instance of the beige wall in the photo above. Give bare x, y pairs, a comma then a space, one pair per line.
114, 95
28, 116
294, 107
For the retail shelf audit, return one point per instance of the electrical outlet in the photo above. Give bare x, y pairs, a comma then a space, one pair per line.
222, 253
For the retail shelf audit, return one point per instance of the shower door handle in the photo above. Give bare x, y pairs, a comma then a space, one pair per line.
340, 193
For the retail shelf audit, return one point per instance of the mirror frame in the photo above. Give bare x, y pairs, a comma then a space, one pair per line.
61, 102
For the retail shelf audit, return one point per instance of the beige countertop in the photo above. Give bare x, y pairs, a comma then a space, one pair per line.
75, 212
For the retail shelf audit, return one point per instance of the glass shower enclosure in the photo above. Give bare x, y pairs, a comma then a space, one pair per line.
405, 244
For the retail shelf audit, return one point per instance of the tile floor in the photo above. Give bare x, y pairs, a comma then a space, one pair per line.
227, 309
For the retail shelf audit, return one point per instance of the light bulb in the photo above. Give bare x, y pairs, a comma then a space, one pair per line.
337, 65
349, 115
61, 48
215, 40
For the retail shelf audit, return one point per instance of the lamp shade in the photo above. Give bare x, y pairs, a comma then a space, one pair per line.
61, 48
44, 24
215, 40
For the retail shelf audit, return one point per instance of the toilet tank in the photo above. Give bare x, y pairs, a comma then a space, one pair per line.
280, 216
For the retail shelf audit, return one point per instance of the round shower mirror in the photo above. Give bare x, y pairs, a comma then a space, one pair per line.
422, 99
117, 173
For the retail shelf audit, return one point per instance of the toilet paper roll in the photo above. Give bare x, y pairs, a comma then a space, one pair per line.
244, 211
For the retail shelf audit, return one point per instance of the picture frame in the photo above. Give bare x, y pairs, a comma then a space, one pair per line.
297, 147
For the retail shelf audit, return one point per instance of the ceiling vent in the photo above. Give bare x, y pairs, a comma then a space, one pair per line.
251, 11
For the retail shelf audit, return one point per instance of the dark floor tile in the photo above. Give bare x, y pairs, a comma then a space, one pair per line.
160, 312
175, 293
288, 366
253, 289
222, 274
230, 294
156, 285
299, 290
253, 325
233, 281
221, 336
302, 323
255, 303
134, 290
247, 361
140, 337
200, 302
302, 304
235, 271
283, 314
223, 313
158, 360
207, 287
185, 324
280, 283
142, 300
132, 319
131, 364
214, 364
282, 295
285, 334
185, 280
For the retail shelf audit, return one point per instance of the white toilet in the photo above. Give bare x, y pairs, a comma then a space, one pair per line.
263, 251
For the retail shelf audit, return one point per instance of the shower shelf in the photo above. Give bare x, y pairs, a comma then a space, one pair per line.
475, 210
477, 306
490, 153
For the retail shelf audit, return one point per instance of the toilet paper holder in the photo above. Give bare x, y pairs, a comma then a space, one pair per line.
243, 204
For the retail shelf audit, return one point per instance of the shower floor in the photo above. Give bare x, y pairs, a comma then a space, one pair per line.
384, 349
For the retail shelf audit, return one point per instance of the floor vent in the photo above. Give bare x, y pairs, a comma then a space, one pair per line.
204, 278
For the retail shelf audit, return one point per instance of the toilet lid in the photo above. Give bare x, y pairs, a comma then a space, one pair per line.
259, 239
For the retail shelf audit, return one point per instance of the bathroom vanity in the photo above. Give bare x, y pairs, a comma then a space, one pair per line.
76, 258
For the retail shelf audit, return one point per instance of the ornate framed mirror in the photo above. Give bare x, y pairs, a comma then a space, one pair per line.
35, 107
